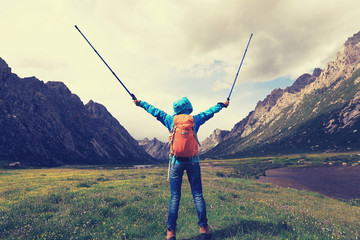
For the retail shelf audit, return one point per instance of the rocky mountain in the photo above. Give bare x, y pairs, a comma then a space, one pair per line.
44, 124
319, 112
157, 149
214, 139
262, 107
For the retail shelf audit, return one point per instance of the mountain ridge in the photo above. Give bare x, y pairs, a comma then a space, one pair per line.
265, 105
330, 98
44, 124
156, 148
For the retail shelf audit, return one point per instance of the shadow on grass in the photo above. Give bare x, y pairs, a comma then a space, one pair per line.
247, 227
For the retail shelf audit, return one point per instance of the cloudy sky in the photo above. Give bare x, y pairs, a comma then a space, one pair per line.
163, 50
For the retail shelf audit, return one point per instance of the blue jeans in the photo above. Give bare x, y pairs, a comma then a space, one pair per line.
194, 176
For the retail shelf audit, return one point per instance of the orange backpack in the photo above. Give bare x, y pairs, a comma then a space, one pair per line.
183, 139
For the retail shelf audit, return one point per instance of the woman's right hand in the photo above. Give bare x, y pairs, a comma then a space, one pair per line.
137, 102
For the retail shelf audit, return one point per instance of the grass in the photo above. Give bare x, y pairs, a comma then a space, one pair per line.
73, 203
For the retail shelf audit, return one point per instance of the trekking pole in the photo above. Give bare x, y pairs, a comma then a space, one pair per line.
239, 68
132, 95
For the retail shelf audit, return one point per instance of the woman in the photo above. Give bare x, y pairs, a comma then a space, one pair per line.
179, 162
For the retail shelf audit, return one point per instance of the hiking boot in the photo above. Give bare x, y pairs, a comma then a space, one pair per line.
170, 235
205, 233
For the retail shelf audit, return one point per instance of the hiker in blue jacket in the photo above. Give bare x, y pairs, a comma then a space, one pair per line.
178, 165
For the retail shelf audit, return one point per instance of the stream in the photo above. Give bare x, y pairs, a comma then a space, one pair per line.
332, 181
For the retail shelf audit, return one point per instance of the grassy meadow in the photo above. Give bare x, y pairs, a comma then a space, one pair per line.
75, 203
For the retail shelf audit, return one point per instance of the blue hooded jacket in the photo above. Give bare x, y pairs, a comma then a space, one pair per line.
182, 106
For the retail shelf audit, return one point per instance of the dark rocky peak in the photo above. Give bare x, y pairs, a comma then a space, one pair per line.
240, 126
59, 87
353, 40
3, 64
220, 134
4, 69
299, 84
302, 81
317, 72
32, 83
214, 139
270, 99
44, 124
97, 110
155, 148
156, 141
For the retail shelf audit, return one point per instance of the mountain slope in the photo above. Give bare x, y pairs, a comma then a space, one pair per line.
157, 149
322, 114
45, 124
214, 139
